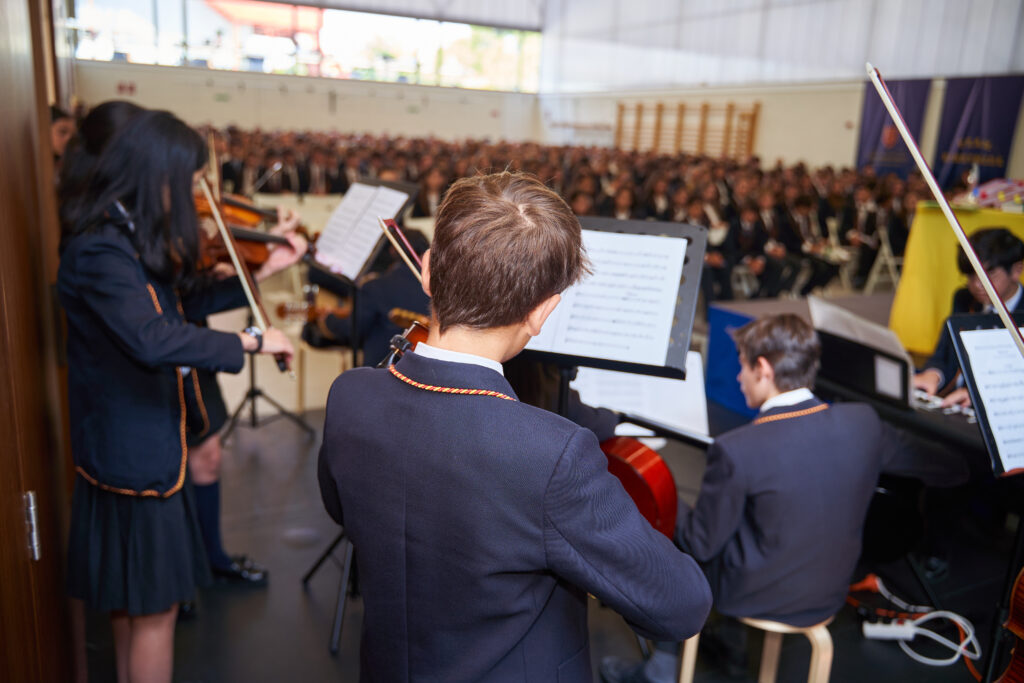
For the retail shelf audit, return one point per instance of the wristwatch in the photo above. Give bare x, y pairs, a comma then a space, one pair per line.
257, 333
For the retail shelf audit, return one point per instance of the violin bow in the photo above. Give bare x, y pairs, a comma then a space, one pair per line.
958, 230
259, 314
398, 248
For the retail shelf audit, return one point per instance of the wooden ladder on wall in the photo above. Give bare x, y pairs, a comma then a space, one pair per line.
726, 131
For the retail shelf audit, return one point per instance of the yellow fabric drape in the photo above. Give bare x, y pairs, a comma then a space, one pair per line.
924, 297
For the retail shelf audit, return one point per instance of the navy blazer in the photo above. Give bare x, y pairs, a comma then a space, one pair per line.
781, 510
481, 523
127, 344
944, 359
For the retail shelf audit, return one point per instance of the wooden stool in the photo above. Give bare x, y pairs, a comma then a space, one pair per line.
821, 650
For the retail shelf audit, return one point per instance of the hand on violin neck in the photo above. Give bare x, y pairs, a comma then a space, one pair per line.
287, 221
281, 256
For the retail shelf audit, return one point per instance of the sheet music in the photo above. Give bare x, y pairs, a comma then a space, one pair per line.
624, 310
998, 371
674, 403
352, 231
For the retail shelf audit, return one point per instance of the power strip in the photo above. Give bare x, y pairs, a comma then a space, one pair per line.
899, 629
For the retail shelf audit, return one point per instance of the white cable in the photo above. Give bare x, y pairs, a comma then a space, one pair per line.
958, 649
902, 604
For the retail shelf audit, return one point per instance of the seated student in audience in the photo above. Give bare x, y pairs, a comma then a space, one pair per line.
323, 175
482, 523
677, 211
857, 226
778, 521
294, 174
231, 167
657, 204
432, 186
1002, 255
581, 203
900, 222
395, 288
718, 211
623, 205
813, 244
750, 239
719, 256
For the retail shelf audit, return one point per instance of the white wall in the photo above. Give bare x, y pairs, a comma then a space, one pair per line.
270, 102
814, 123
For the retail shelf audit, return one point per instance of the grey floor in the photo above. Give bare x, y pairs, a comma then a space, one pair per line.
272, 511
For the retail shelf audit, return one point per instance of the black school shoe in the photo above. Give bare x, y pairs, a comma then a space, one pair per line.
242, 571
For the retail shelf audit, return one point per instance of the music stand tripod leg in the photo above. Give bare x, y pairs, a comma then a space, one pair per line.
339, 611
284, 412
1002, 612
323, 556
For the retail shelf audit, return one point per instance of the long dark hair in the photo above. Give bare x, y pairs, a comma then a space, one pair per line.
94, 133
149, 161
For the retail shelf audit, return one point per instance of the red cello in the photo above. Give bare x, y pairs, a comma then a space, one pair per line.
643, 473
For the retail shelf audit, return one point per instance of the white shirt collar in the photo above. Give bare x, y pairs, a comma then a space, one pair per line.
427, 351
1011, 303
786, 398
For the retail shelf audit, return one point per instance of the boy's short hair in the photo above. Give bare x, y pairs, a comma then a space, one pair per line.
787, 342
503, 244
995, 247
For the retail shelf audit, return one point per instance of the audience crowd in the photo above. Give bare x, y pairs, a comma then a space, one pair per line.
790, 228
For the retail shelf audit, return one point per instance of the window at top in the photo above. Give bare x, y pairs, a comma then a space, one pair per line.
266, 37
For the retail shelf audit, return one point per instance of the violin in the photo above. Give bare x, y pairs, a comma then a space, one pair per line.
642, 472
253, 247
236, 211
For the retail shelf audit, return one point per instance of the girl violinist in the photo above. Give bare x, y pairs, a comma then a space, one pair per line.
128, 282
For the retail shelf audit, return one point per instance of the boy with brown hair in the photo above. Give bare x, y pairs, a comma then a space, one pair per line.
778, 522
481, 523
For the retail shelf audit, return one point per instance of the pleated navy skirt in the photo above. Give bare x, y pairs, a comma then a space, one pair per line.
132, 554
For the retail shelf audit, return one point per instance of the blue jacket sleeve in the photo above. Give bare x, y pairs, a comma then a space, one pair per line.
222, 295
595, 538
114, 287
704, 530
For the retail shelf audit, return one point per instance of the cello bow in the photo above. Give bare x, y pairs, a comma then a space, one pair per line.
997, 303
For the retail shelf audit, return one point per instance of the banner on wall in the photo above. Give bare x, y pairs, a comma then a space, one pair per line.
880, 143
978, 118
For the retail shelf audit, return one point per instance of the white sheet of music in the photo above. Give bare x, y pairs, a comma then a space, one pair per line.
674, 403
998, 370
624, 311
352, 232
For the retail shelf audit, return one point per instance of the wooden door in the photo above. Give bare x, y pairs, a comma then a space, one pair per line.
34, 642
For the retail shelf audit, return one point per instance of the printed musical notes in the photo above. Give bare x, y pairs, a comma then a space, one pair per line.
998, 375
624, 310
352, 233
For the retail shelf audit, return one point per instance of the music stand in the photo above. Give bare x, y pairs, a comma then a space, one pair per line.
355, 221
558, 347
993, 371
254, 392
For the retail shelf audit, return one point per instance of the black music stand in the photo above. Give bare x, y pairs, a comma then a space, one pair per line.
980, 389
674, 363
254, 392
